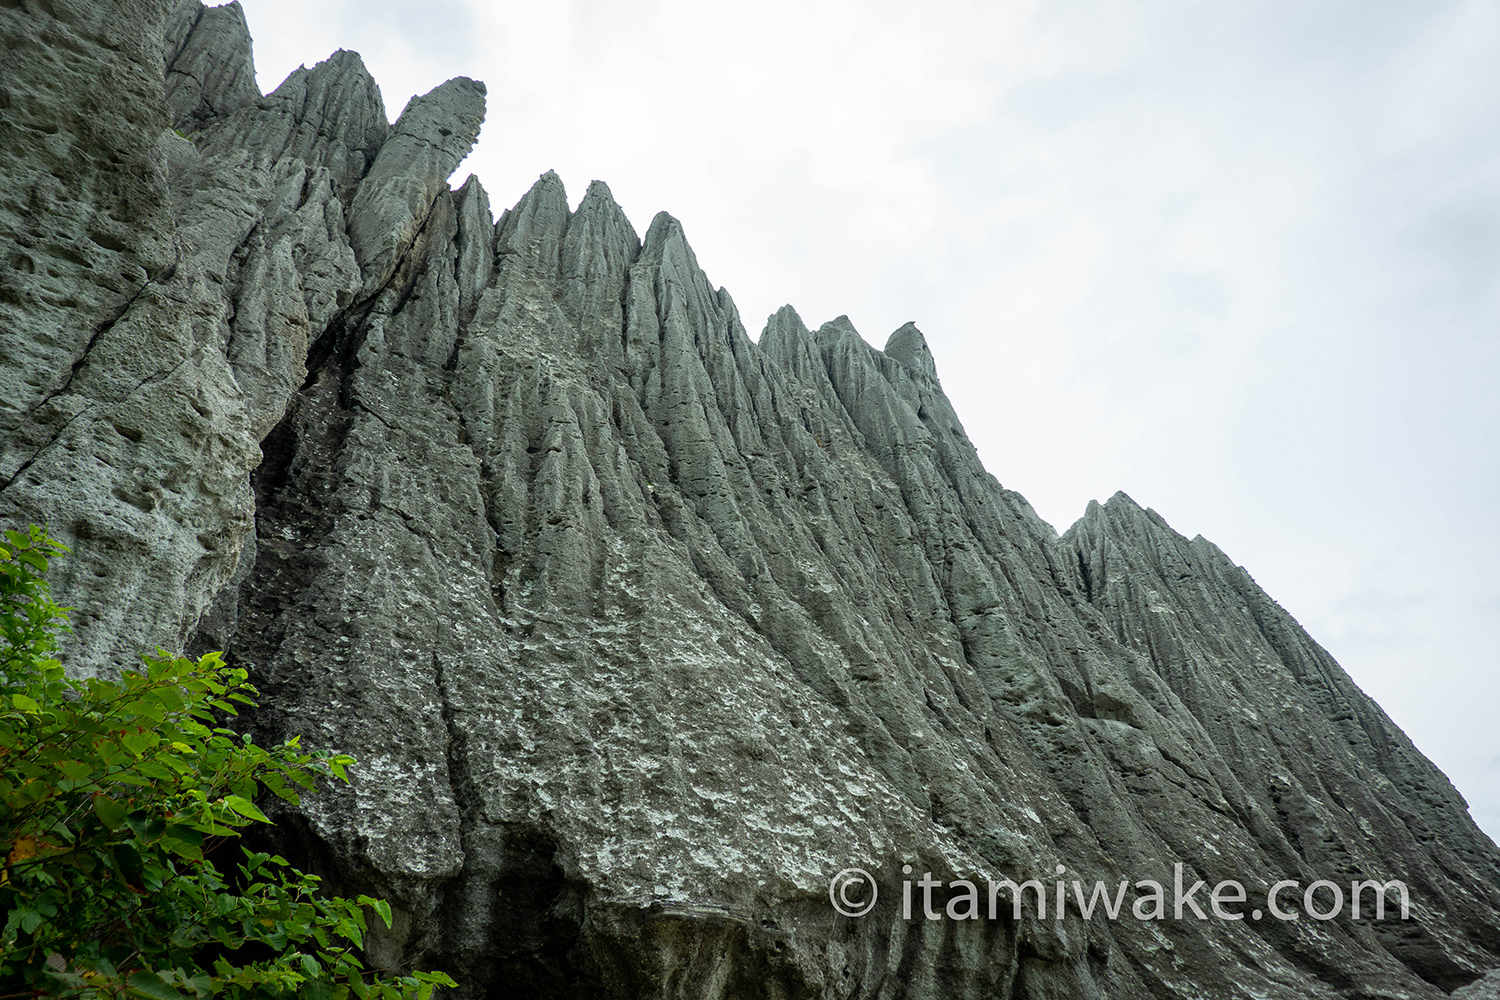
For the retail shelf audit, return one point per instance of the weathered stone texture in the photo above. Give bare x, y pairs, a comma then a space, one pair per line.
639, 629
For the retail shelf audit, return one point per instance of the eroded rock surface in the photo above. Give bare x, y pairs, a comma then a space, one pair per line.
639, 629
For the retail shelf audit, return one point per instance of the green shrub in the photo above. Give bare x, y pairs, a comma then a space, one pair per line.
120, 805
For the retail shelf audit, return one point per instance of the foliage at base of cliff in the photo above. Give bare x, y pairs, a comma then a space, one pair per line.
121, 802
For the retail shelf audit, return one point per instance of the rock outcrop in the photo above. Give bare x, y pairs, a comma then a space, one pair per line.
639, 629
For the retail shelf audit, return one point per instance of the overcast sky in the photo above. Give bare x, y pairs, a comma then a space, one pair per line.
1241, 260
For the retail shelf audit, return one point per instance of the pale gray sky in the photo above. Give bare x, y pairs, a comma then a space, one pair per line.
1239, 260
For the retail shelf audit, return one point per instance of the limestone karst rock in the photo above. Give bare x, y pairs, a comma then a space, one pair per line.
641, 630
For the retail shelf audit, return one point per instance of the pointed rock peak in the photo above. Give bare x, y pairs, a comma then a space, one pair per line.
1120, 509
599, 203
209, 62
1118, 517
448, 117
600, 213
1120, 506
598, 194
1213, 553
787, 322
908, 346
472, 193
838, 329
785, 335
176, 29
537, 224
726, 303
546, 199
666, 238
330, 116
1124, 512
223, 27
663, 228
433, 135
340, 88
344, 62
188, 16
347, 63
549, 187
1093, 519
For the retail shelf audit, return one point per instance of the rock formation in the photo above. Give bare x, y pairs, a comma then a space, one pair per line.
640, 629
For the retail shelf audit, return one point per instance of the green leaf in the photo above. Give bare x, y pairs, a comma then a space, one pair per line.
155, 769
245, 808
148, 829
75, 770
185, 834
127, 862
176, 780
153, 987
30, 920
111, 813
138, 743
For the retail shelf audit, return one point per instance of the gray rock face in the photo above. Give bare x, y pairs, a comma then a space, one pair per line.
433, 135
330, 116
120, 421
639, 629
1487, 988
210, 69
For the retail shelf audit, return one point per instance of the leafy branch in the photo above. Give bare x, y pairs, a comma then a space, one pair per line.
115, 794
